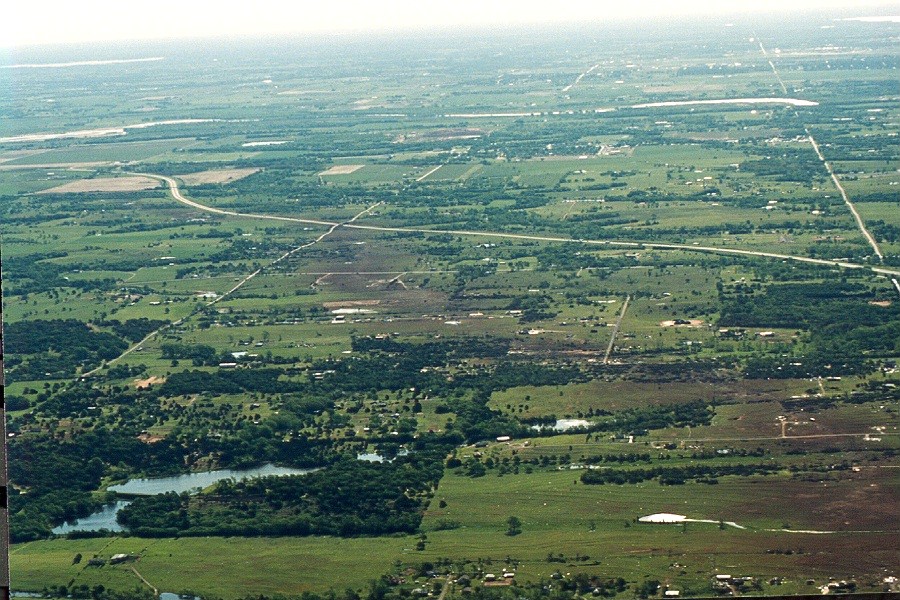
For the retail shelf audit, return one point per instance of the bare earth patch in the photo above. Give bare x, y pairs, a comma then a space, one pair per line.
216, 176
342, 169
682, 323
350, 304
882, 303
145, 383
17, 154
110, 184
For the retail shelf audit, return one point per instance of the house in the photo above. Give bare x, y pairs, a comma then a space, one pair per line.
672, 594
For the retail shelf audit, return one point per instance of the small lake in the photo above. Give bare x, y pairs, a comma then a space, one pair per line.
197, 481
564, 425
105, 518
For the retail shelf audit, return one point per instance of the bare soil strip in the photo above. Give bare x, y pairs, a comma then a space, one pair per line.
342, 170
429, 172
111, 184
217, 176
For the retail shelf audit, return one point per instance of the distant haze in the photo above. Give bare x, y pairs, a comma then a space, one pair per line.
66, 21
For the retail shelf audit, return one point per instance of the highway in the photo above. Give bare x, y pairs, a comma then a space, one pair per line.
351, 224
176, 193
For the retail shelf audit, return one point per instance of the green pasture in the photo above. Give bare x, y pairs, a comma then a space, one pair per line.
213, 567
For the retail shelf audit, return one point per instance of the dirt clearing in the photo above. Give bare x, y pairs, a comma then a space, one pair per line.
342, 170
145, 383
350, 304
217, 176
111, 184
682, 323
17, 154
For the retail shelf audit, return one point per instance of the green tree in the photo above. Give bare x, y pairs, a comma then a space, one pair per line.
513, 526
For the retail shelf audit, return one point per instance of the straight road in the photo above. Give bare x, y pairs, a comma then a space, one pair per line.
615, 332
828, 167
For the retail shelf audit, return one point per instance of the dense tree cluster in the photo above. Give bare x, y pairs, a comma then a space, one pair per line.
40, 349
675, 475
843, 323
348, 498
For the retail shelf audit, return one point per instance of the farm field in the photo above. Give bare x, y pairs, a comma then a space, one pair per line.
497, 297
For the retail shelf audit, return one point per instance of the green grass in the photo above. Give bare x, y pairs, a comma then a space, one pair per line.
212, 567
121, 151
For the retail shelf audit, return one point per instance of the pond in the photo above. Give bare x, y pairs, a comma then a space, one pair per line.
105, 518
194, 481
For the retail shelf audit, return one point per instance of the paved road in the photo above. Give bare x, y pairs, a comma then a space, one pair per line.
837, 184
177, 195
828, 167
630, 244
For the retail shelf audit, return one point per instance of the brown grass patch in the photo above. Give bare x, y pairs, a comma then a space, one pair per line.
109, 184
342, 169
217, 176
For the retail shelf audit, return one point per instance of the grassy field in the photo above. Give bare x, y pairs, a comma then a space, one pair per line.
462, 303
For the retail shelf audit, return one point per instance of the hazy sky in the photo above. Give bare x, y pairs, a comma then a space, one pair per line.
57, 21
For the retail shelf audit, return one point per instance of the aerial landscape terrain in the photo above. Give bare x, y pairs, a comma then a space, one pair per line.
597, 310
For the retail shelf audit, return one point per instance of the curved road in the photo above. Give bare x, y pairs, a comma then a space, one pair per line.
350, 224
177, 195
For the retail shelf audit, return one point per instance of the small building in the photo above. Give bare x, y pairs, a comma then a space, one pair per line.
503, 438
672, 594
